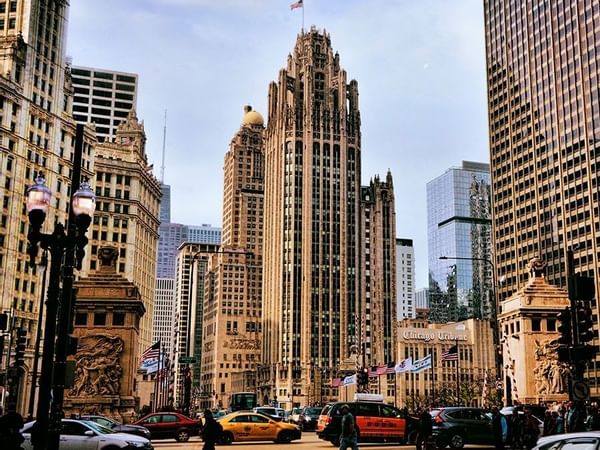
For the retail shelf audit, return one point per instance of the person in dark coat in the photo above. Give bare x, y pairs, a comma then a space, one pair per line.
10, 431
211, 431
425, 429
499, 428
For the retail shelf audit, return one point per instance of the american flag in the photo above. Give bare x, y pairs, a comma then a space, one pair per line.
451, 354
391, 368
373, 372
382, 369
298, 4
336, 382
152, 352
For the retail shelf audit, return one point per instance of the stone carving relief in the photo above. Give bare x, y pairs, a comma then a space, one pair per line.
537, 267
108, 256
98, 370
550, 374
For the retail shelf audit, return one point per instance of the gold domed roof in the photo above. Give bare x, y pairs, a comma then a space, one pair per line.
252, 117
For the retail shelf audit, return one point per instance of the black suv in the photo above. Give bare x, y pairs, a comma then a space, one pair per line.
309, 417
457, 426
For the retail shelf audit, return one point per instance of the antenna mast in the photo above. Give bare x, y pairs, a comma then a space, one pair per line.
162, 167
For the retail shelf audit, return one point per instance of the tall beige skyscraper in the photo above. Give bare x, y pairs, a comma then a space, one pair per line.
37, 136
311, 282
232, 297
127, 212
543, 69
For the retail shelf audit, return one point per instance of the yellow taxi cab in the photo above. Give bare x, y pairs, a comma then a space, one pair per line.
252, 426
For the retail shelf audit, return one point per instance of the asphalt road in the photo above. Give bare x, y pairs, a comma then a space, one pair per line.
308, 441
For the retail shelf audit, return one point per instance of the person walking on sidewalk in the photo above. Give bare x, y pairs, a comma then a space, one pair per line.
348, 438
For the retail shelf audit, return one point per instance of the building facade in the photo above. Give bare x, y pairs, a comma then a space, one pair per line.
233, 303
405, 279
422, 299
476, 372
127, 213
544, 119
103, 97
37, 136
459, 229
204, 234
312, 197
187, 336
378, 242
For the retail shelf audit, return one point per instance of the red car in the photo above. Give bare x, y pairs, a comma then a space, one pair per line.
169, 425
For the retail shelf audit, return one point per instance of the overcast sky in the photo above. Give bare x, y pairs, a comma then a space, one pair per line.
420, 67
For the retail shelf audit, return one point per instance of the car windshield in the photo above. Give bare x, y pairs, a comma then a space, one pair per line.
313, 411
97, 427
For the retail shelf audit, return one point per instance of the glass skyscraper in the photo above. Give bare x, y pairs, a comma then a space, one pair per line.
459, 228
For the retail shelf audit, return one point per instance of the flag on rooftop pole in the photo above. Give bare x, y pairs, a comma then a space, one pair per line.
298, 4
451, 354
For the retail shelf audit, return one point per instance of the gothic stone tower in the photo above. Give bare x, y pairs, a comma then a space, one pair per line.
312, 187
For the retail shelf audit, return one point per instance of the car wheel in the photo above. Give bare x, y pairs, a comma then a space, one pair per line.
227, 438
182, 436
457, 441
284, 437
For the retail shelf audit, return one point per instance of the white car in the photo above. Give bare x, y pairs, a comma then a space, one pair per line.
277, 413
585, 440
87, 435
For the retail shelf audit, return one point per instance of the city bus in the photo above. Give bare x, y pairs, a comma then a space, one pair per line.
242, 400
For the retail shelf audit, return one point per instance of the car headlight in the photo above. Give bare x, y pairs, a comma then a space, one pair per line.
136, 444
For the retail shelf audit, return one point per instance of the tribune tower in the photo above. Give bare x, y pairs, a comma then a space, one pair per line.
311, 280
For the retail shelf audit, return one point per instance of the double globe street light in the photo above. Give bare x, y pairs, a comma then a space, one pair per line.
66, 249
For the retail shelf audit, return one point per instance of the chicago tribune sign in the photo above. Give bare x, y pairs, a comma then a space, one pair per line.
427, 335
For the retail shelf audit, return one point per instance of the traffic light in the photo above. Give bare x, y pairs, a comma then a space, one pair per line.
565, 327
20, 347
585, 330
362, 377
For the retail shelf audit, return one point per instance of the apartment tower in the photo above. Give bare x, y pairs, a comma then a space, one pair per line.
311, 281
405, 279
232, 302
543, 70
37, 136
103, 97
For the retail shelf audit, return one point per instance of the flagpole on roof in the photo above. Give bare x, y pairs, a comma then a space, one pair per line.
302, 16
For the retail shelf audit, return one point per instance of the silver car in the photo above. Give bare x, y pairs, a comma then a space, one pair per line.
87, 435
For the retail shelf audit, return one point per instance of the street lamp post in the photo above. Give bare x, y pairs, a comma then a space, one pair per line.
66, 253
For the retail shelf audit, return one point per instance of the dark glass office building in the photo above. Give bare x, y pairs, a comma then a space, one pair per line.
459, 228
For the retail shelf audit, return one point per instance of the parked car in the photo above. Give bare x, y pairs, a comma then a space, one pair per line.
87, 435
275, 413
309, 418
294, 415
170, 425
254, 426
587, 440
118, 427
375, 422
457, 426
508, 412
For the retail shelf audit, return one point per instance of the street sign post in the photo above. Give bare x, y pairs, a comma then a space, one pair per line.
187, 360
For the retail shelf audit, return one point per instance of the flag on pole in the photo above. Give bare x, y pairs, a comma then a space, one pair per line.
373, 372
149, 361
298, 4
351, 379
381, 370
336, 382
404, 366
390, 368
421, 364
451, 354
